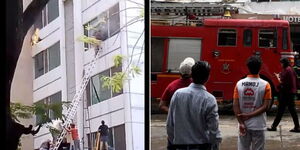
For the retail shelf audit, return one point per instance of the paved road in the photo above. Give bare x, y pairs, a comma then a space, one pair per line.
228, 127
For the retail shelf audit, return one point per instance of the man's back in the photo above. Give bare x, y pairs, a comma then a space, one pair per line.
103, 129
251, 92
193, 117
173, 86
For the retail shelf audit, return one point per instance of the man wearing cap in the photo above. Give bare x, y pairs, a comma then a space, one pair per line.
184, 81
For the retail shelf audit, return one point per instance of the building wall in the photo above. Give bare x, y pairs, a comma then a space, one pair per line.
54, 80
21, 88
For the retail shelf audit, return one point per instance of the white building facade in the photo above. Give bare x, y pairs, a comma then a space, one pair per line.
59, 61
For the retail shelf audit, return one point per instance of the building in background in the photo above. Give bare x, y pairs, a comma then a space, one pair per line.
51, 71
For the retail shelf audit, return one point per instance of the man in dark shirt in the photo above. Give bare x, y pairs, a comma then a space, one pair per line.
103, 130
287, 90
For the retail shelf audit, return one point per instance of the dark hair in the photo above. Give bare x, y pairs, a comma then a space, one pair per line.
254, 64
102, 122
200, 72
72, 125
285, 62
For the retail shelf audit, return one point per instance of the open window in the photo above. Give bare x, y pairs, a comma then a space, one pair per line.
227, 37
267, 38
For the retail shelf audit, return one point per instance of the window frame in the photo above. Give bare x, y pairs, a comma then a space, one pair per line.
285, 39
91, 89
48, 101
45, 16
275, 34
109, 35
46, 60
236, 38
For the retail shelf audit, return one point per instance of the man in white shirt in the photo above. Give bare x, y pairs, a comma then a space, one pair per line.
250, 101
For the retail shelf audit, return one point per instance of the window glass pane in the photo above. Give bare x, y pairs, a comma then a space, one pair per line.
55, 99
88, 94
119, 137
284, 39
39, 64
179, 49
38, 118
39, 21
46, 60
157, 53
227, 37
110, 138
114, 20
114, 70
54, 56
86, 33
247, 37
94, 89
105, 93
267, 38
53, 11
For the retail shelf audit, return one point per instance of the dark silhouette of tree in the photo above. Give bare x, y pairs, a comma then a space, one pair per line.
18, 23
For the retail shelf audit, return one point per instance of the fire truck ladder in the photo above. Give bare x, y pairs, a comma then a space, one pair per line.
183, 9
75, 101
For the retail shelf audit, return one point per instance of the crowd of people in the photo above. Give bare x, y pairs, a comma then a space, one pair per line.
193, 119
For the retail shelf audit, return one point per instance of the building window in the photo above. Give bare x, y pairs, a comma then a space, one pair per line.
44, 113
157, 53
268, 38
47, 15
47, 60
179, 49
97, 92
103, 26
116, 138
284, 39
247, 37
227, 37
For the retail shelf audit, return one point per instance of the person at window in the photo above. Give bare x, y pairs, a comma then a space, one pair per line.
287, 91
103, 130
193, 119
75, 137
251, 99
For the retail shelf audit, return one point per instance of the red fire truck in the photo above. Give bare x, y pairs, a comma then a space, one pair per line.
225, 44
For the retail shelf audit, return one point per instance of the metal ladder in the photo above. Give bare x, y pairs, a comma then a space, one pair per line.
76, 99
182, 9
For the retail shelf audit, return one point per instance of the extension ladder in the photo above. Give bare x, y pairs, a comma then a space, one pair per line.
75, 101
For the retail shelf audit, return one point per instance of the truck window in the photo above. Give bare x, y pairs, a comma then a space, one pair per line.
157, 53
227, 37
284, 39
247, 37
268, 38
179, 49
